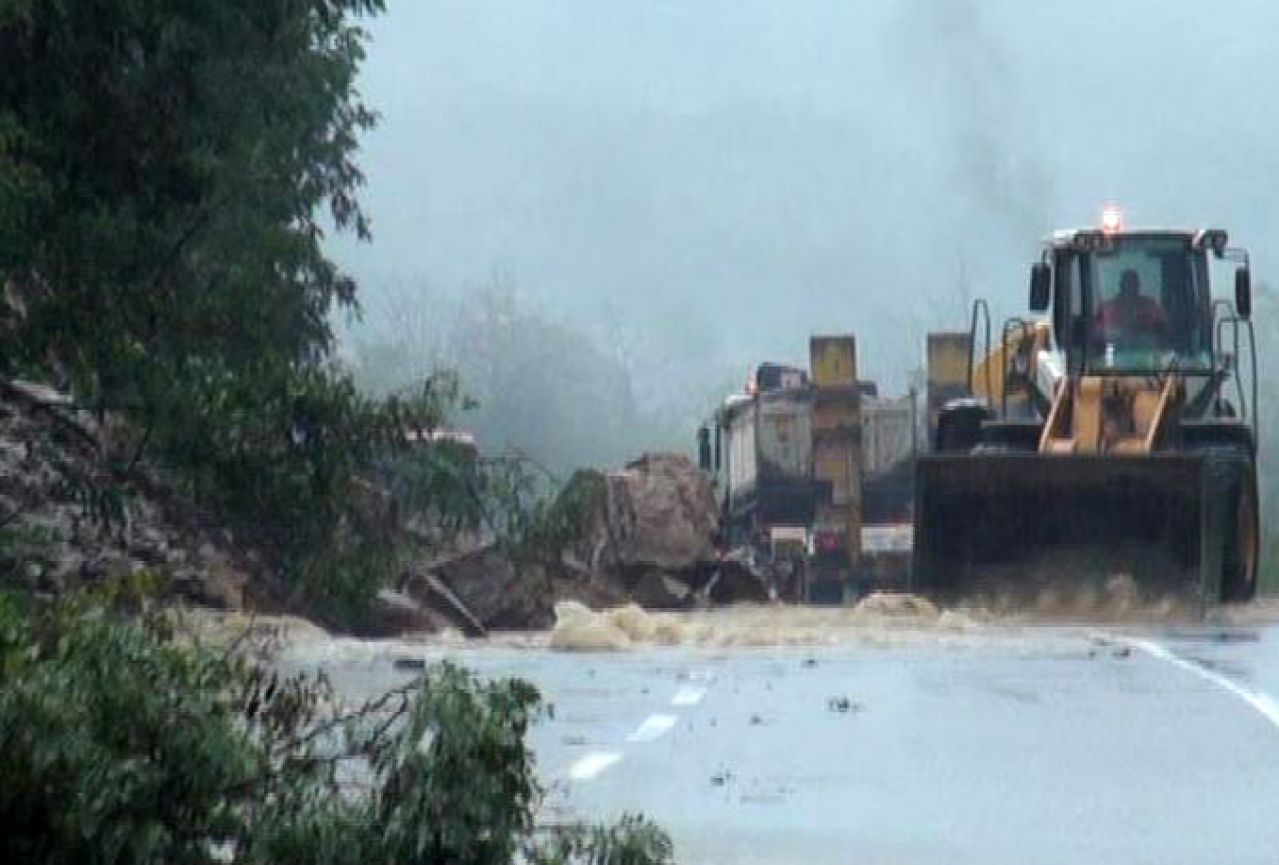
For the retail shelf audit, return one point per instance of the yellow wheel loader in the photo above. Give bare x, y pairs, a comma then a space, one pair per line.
1112, 437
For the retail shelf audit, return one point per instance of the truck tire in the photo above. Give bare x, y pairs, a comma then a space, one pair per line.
1232, 480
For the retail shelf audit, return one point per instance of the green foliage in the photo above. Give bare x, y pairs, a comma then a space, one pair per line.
522, 507
550, 525
118, 745
457, 783
450, 779
113, 748
164, 169
289, 456
631, 841
515, 495
176, 157
438, 487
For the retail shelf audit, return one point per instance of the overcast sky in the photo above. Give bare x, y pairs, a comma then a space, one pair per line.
739, 174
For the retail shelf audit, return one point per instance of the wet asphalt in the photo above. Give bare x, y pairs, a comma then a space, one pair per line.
1051, 745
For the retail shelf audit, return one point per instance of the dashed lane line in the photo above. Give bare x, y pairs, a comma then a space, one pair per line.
653, 726
591, 765
594, 764
688, 695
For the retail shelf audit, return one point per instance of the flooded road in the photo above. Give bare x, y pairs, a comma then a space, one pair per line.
1015, 745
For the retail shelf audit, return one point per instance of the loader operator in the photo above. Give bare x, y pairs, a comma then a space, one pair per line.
1130, 316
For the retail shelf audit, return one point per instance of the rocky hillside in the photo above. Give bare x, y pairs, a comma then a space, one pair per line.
76, 511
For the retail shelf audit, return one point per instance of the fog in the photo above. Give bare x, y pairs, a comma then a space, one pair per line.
699, 186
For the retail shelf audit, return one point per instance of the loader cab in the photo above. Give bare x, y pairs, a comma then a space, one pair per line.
1130, 303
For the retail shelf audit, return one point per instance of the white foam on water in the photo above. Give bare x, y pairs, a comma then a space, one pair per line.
879, 619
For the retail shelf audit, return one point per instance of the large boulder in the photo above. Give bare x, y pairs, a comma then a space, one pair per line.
484, 590
393, 613
658, 591
570, 581
493, 591
659, 513
734, 581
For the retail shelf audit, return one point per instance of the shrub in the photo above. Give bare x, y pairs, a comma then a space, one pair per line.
120, 745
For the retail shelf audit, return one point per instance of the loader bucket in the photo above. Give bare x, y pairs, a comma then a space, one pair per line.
1013, 530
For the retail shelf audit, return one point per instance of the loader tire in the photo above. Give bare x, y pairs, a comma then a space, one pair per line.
1233, 485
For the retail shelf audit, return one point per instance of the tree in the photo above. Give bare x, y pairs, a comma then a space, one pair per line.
174, 159
167, 166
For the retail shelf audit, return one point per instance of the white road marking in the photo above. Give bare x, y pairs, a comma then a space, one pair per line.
653, 726
1262, 702
688, 695
592, 764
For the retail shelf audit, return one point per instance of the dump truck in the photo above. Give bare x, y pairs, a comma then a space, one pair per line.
759, 450
1110, 435
785, 462
890, 440
800, 460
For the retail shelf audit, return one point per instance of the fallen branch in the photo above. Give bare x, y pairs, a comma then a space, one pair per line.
453, 606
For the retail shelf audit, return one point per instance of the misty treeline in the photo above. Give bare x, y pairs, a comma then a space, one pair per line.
537, 382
